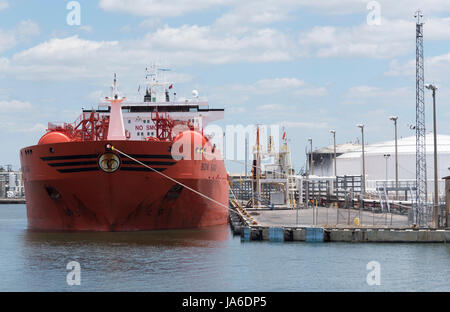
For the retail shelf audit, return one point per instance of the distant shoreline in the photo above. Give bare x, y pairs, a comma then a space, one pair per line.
12, 201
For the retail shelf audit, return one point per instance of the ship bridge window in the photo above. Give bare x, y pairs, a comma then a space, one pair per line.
193, 109
161, 108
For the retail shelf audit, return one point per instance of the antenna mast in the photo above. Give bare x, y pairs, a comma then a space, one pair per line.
420, 213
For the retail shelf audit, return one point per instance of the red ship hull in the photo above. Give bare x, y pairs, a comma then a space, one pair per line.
66, 188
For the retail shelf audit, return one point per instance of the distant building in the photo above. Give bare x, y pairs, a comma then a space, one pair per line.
380, 160
323, 158
11, 183
2, 186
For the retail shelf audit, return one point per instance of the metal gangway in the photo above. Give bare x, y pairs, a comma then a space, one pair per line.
384, 187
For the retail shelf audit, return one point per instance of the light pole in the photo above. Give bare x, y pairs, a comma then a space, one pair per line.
333, 132
394, 119
311, 164
386, 156
363, 191
436, 191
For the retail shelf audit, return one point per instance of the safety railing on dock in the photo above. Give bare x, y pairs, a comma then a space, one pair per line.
387, 204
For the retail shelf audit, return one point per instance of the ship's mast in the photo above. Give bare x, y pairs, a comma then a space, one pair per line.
116, 129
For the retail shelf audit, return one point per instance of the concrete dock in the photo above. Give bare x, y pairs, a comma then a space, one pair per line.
327, 217
282, 225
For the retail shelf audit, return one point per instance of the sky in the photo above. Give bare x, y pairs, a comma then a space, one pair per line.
309, 65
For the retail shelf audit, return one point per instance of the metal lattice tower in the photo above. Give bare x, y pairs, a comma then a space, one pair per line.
421, 161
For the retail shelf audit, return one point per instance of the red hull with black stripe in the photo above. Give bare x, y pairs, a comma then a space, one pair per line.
81, 186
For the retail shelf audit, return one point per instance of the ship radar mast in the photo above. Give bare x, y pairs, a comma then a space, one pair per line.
157, 88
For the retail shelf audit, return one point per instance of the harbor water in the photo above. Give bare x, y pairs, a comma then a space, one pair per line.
208, 259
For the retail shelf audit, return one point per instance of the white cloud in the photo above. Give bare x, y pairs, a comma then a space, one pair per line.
277, 84
21, 33
66, 58
64, 49
27, 29
272, 10
236, 110
364, 91
151, 23
125, 29
392, 38
436, 69
311, 91
14, 106
3, 5
159, 8
256, 13
271, 107
74, 57
241, 34
38, 127
207, 44
239, 28
22, 126
389, 8
270, 86
307, 125
7, 40
86, 28
241, 20
287, 85
391, 99
437, 28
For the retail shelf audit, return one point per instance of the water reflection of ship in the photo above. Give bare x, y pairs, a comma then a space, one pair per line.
181, 238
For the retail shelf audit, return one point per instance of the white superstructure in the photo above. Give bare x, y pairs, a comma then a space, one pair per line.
160, 97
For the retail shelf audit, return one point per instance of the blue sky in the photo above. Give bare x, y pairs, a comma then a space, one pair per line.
312, 65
